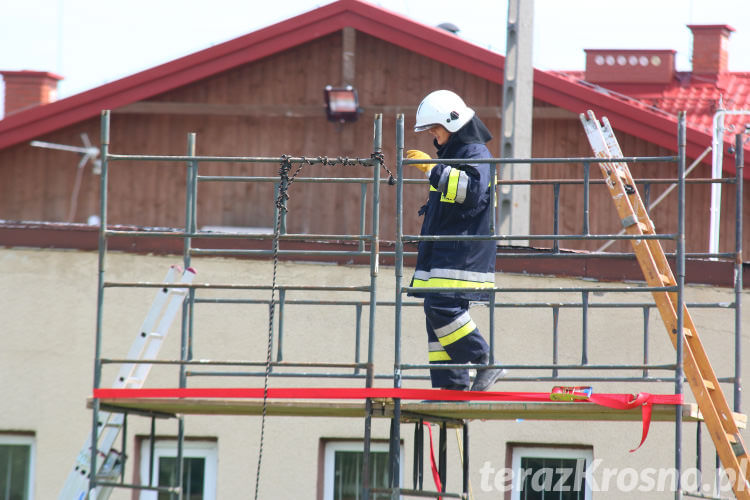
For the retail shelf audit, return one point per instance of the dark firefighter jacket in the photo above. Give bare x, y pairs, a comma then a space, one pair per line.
459, 204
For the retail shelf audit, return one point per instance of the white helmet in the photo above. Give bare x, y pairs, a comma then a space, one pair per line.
442, 107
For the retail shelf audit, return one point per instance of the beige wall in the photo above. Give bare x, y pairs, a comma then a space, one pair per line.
48, 322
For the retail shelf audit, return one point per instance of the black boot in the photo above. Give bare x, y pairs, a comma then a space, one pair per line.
486, 376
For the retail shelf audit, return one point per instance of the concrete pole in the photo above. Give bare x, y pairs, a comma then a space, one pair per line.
518, 89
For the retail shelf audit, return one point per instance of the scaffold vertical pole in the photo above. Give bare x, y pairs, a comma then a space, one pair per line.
399, 272
186, 333
739, 161
104, 145
374, 268
680, 282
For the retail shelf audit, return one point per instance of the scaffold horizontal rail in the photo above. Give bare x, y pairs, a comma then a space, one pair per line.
232, 286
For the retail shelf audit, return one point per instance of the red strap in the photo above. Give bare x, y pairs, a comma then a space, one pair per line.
433, 465
642, 399
616, 401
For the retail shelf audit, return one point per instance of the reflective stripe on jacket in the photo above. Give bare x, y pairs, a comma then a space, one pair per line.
459, 204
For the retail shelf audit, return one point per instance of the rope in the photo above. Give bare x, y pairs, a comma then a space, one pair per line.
281, 199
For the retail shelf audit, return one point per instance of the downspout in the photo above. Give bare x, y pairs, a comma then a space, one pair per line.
717, 157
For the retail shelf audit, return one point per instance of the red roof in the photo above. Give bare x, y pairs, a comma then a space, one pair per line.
631, 117
698, 96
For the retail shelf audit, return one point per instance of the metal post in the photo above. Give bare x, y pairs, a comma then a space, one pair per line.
151, 449
418, 466
415, 461
586, 186
374, 258
357, 335
466, 458
646, 312
185, 342
362, 213
739, 161
124, 446
443, 456
104, 141
556, 217
279, 347
555, 337
493, 231
680, 261
584, 327
399, 271
699, 455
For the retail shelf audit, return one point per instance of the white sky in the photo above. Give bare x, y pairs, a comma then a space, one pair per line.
93, 42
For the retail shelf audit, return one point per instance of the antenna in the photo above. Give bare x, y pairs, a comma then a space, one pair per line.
88, 152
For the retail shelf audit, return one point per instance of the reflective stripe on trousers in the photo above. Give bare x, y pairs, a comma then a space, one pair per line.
453, 337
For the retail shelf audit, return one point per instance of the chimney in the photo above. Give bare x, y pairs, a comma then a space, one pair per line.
710, 48
629, 66
26, 89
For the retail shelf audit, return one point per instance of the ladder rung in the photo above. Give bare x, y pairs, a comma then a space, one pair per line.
737, 446
667, 280
630, 220
687, 332
709, 385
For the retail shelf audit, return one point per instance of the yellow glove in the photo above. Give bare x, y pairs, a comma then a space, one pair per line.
415, 154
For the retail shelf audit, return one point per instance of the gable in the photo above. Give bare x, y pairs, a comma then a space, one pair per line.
428, 41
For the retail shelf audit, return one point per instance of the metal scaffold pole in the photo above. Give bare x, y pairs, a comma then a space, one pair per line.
104, 140
374, 269
395, 439
680, 308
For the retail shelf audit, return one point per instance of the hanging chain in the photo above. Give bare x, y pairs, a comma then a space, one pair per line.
379, 157
281, 200
285, 181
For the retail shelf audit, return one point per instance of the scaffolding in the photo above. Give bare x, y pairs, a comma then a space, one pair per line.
368, 247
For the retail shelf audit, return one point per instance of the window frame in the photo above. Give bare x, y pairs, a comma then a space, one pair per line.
520, 451
332, 445
29, 440
167, 447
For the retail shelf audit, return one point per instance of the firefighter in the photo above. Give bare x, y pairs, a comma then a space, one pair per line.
459, 203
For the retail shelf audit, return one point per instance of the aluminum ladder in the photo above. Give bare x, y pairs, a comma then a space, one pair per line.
146, 346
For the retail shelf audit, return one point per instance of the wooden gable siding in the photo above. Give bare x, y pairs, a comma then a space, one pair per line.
230, 114
565, 138
388, 79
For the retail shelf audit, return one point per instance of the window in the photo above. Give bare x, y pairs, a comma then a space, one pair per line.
199, 471
343, 469
16, 467
542, 473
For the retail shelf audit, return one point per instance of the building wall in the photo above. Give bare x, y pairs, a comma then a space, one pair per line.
48, 331
274, 106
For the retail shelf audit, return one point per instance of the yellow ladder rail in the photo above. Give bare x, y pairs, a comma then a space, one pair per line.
709, 396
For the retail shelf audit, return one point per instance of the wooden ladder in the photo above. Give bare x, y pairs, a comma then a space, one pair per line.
709, 396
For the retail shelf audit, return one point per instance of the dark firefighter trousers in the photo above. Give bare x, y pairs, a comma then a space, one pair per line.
453, 337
